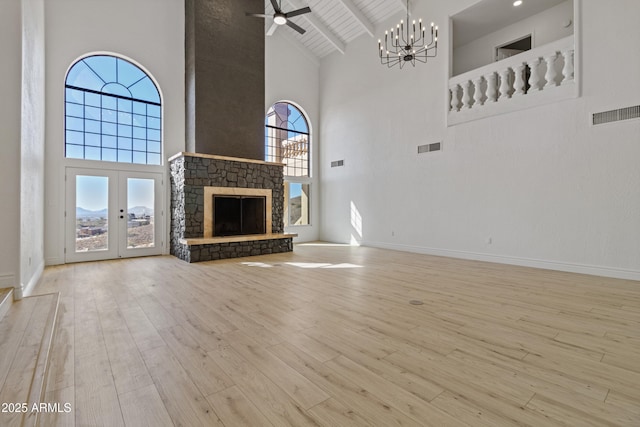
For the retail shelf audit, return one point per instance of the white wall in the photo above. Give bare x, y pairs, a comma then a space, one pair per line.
292, 75
151, 32
544, 186
10, 92
32, 145
544, 28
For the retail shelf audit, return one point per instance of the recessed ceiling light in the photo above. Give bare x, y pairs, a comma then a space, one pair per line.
517, 3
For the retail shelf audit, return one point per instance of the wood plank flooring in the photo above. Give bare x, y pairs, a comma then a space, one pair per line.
325, 336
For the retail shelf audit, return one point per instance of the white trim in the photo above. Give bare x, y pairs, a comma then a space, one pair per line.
29, 287
617, 273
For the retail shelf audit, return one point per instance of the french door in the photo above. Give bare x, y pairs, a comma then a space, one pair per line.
112, 214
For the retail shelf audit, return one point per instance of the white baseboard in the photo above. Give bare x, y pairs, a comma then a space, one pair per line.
29, 287
617, 273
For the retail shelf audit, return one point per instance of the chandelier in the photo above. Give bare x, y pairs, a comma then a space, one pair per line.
407, 45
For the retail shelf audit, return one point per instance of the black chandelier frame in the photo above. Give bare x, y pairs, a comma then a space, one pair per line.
405, 47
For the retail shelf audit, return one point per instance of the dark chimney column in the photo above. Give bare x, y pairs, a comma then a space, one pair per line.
224, 78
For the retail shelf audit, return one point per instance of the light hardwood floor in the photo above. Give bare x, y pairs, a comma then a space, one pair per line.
326, 336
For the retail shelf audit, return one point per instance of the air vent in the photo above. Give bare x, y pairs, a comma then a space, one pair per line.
428, 148
616, 115
337, 163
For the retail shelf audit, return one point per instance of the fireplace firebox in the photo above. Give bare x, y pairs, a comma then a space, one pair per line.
239, 215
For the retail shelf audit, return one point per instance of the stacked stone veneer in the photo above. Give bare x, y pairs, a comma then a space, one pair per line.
190, 173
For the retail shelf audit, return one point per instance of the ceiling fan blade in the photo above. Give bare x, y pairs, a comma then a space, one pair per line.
298, 12
295, 27
257, 15
274, 3
272, 29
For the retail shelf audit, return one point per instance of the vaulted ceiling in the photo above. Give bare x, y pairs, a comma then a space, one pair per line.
332, 24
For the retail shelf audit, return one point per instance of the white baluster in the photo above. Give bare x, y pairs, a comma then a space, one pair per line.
535, 76
551, 74
518, 84
477, 95
466, 95
454, 98
568, 70
504, 84
492, 94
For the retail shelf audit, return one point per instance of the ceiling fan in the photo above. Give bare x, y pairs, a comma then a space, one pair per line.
281, 18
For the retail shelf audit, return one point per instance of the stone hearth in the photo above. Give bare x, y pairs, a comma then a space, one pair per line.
195, 178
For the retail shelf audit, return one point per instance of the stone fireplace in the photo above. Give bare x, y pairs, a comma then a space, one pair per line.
246, 196
226, 201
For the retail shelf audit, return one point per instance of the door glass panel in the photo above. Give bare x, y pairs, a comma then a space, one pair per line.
140, 221
92, 224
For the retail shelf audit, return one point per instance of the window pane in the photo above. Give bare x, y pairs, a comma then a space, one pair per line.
75, 151
140, 133
153, 134
298, 203
153, 146
139, 157
124, 130
154, 123
109, 155
124, 118
109, 141
92, 139
124, 105
140, 145
92, 99
74, 109
92, 113
109, 102
124, 143
139, 108
153, 110
139, 120
153, 159
92, 126
124, 156
109, 128
92, 153
74, 95
75, 137
109, 116
74, 124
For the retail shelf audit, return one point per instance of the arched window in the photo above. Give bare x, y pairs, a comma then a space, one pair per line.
112, 112
287, 140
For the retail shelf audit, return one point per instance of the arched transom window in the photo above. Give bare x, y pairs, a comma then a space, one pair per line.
287, 139
112, 112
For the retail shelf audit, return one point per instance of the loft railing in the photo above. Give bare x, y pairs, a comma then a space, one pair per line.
535, 77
